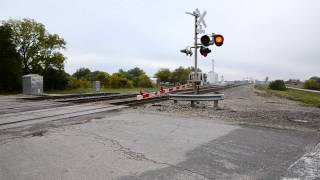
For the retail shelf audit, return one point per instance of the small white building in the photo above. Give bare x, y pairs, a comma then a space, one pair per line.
32, 84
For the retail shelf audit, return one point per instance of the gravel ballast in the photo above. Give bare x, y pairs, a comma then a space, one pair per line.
247, 105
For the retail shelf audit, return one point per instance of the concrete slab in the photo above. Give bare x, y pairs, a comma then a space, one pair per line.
133, 145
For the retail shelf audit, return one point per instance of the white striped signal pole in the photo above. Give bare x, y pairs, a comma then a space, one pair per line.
198, 20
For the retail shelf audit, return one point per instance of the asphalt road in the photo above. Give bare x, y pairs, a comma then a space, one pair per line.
134, 145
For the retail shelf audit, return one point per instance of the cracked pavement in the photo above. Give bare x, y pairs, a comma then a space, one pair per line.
131, 144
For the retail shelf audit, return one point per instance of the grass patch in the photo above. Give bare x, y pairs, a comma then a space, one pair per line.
308, 98
109, 90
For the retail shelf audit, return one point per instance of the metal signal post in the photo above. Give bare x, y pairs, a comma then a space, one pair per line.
196, 14
196, 44
206, 40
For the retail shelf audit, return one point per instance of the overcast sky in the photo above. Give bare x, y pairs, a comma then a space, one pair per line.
275, 38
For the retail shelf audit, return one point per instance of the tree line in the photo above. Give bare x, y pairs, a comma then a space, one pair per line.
312, 83
26, 47
134, 77
179, 75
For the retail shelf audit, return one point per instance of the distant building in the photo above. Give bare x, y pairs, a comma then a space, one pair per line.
213, 77
222, 78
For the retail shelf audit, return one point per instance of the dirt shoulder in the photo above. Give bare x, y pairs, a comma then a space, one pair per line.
247, 105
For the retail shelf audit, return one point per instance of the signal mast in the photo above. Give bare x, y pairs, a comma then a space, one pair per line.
206, 41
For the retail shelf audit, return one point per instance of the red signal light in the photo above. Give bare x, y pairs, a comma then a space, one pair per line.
218, 40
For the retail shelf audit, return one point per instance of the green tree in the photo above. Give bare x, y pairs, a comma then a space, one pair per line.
10, 62
134, 74
103, 77
278, 85
74, 83
38, 49
83, 74
180, 75
94, 75
55, 79
317, 79
144, 81
311, 84
192, 69
122, 73
115, 80
163, 75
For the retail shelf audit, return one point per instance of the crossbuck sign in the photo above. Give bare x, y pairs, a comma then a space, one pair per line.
201, 21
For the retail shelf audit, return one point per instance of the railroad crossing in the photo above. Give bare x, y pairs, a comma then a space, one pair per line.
111, 136
14, 112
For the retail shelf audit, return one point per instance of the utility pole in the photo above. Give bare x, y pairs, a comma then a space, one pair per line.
196, 51
196, 14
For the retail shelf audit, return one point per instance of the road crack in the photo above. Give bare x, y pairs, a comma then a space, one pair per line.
175, 129
130, 154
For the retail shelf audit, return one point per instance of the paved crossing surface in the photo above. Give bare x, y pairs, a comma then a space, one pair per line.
134, 145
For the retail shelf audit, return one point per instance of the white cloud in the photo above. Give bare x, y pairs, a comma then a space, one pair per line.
271, 38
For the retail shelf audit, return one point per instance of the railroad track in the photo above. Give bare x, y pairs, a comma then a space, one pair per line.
124, 99
98, 98
55, 97
202, 90
81, 106
130, 99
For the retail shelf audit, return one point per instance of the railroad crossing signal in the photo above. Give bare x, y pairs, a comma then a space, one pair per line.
205, 40
201, 21
216, 39
204, 51
201, 18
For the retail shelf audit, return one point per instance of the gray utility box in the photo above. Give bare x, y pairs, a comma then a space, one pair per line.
96, 86
32, 84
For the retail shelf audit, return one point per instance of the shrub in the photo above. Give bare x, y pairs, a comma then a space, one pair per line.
144, 81
103, 77
74, 83
278, 85
311, 84
316, 79
114, 81
130, 84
